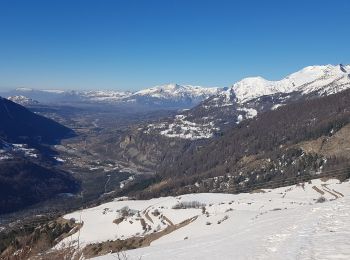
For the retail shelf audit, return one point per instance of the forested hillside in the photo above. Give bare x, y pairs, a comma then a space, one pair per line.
268, 147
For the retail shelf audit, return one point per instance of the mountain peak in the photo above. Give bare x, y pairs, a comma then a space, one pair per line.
307, 80
23, 100
176, 91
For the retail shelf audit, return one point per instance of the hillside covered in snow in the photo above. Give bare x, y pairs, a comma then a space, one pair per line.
324, 80
289, 222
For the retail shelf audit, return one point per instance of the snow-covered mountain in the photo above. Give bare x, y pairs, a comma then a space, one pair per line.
61, 96
22, 100
175, 94
250, 96
105, 96
324, 80
171, 95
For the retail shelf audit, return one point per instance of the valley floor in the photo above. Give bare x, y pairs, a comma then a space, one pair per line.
285, 223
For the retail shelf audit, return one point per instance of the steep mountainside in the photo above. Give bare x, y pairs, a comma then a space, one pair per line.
297, 140
22, 126
27, 172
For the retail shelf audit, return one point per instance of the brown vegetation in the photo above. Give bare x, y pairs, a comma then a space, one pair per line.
34, 239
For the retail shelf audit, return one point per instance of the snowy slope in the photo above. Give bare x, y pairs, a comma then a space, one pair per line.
275, 224
328, 79
23, 100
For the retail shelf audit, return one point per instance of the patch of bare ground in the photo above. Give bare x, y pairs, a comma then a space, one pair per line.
339, 193
39, 239
75, 229
69, 253
251, 161
157, 186
302, 185
103, 248
326, 189
145, 226
118, 220
325, 179
336, 145
247, 159
318, 190
148, 216
258, 191
168, 220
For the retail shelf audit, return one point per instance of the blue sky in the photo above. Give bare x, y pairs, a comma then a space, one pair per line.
129, 44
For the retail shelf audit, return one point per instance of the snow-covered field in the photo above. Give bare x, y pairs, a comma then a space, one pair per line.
283, 223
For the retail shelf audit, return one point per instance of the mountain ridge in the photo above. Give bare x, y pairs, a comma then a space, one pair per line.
251, 96
23, 126
304, 80
167, 95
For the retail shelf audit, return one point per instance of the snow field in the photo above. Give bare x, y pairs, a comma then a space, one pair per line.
262, 225
284, 223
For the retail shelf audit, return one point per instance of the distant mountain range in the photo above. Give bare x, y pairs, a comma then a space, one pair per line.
210, 109
171, 95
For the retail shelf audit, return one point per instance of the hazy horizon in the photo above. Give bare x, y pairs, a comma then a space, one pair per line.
145, 87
